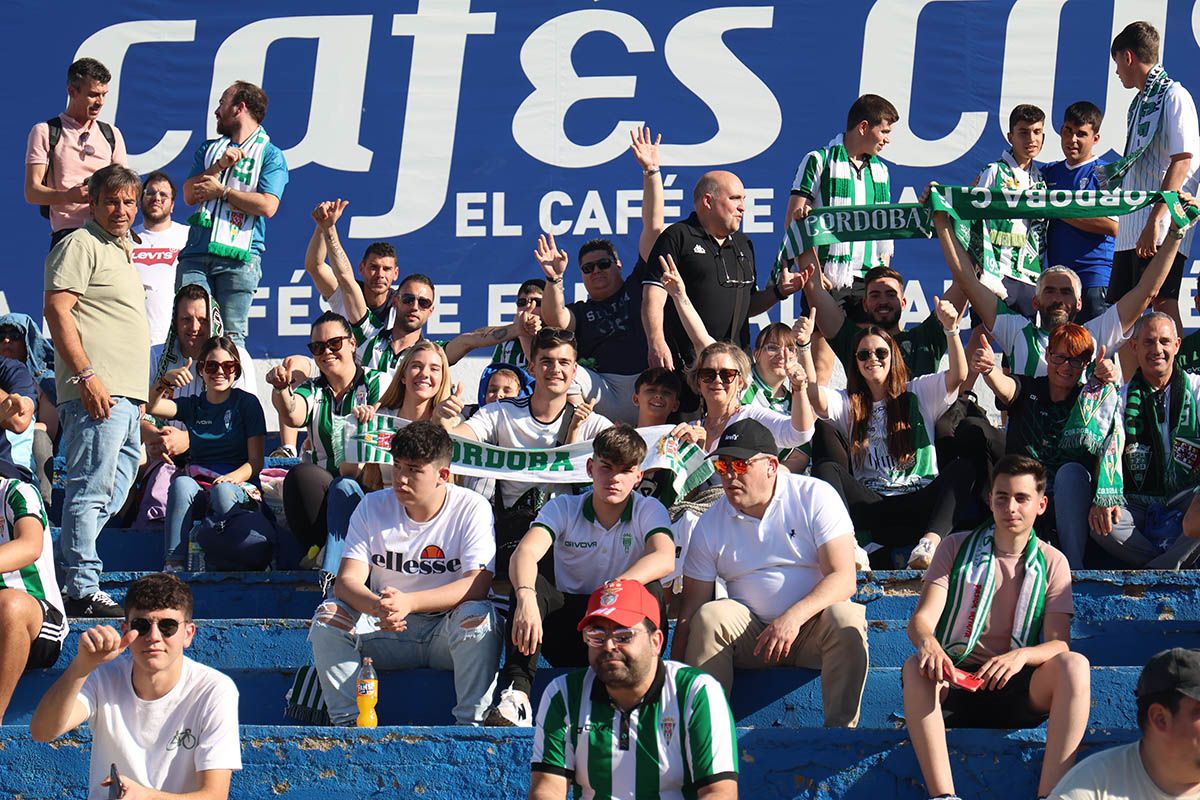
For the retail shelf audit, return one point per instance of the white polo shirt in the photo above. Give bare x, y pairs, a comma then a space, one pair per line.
769, 564
586, 554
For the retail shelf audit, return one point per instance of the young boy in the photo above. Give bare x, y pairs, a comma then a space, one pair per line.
656, 395
613, 533
169, 725
1084, 245
1007, 587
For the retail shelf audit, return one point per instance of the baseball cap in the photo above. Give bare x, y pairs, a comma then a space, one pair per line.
626, 603
1174, 670
746, 438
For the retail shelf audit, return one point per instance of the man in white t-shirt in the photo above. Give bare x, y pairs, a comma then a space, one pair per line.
783, 545
157, 254
612, 533
1165, 763
417, 566
168, 724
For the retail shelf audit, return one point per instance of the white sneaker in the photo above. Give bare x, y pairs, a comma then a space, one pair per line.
513, 710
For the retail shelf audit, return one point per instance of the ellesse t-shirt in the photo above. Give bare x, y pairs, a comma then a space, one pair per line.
415, 556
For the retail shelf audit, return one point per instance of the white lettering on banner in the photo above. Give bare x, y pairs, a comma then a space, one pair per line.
465, 212
757, 215
1030, 59
592, 216
499, 227
295, 319
440, 322
553, 219
501, 302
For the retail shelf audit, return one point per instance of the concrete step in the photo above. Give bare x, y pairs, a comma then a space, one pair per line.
285, 594
454, 763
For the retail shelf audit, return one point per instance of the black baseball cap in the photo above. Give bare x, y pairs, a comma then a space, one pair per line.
1174, 670
746, 438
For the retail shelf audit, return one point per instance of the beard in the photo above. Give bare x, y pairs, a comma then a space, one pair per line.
1055, 315
154, 218
886, 319
622, 672
222, 128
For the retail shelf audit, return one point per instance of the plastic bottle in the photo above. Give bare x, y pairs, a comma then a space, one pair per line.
368, 695
195, 553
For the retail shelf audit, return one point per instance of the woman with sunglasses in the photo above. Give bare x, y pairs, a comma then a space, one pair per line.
893, 486
227, 430
316, 497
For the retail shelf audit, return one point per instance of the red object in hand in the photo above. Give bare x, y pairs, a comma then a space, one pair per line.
964, 680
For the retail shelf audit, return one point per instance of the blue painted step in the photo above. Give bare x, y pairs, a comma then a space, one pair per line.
221, 595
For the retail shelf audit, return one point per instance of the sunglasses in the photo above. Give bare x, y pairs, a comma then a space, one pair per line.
86, 150
708, 375
729, 467
536, 302
549, 337
880, 354
333, 345
213, 367
591, 266
597, 637
410, 299
1058, 359
167, 627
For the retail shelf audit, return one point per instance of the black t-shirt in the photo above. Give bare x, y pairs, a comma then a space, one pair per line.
1036, 423
609, 332
15, 378
720, 281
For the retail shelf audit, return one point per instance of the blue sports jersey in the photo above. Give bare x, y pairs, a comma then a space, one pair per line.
1089, 254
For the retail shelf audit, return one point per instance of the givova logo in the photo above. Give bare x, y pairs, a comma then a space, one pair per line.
432, 561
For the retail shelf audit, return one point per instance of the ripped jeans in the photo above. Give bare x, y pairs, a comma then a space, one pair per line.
466, 641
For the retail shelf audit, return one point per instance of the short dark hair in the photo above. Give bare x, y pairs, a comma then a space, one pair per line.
87, 69
529, 285
592, 245
659, 376
1140, 38
423, 443
553, 337
872, 108
113, 178
226, 344
332, 316
418, 277
621, 444
254, 98
158, 175
192, 291
1015, 464
1169, 700
880, 273
1084, 112
1027, 113
379, 250
159, 591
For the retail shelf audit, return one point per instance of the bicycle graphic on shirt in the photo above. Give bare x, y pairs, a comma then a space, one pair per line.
184, 739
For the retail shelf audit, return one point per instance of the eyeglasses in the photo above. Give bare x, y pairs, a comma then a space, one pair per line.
1058, 359
730, 467
597, 637
536, 302
708, 375
149, 195
410, 299
213, 367
167, 627
776, 349
880, 354
333, 345
599, 263
727, 280
85, 150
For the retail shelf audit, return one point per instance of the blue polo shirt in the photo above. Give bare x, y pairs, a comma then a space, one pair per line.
1089, 254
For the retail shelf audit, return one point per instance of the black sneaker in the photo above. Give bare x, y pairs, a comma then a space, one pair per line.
95, 605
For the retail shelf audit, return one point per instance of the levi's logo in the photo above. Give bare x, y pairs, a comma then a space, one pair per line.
155, 255
432, 561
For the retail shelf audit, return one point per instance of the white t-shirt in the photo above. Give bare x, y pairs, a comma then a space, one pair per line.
1115, 774
586, 554
161, 743
768, 565
415, 556
878, 471
1025, 344
156, 258
780, 426
509, 423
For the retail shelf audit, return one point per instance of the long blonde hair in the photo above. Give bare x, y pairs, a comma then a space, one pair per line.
393, 398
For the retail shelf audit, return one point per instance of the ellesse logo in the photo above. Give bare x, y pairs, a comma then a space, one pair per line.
432, 561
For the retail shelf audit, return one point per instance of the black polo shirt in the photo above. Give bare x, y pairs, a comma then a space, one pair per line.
720, 279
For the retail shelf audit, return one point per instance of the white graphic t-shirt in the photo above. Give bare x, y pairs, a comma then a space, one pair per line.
156, 259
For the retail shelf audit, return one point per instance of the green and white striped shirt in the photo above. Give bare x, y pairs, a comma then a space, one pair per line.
374, 340
760, 394
37, 579
325, 417
680, 737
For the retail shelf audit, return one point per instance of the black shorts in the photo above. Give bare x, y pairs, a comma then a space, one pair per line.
44, 650
1005, 708
1127, 269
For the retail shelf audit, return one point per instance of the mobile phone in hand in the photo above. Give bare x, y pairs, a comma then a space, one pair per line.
115, 789
964, 680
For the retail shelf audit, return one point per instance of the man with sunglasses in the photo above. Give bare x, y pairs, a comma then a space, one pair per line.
783, 545
632, 724
168, 724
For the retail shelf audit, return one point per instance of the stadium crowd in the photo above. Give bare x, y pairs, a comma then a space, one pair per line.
741, 550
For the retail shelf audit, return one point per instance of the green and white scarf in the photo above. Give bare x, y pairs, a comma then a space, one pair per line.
1148, 470
1142, 119
973, 587
171, 356
1093, 431
232, 228
759, 393
1007, 247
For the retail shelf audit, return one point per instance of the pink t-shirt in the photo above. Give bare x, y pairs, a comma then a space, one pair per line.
72, 164
997, 636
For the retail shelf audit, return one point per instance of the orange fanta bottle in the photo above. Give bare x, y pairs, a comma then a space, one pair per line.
368, 695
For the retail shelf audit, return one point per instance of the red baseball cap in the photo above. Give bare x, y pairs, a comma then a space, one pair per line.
623, 602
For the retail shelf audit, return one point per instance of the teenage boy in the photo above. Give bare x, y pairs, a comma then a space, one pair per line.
613, 533
169, 725
656, 394
418, 563
997, 603
1083, 245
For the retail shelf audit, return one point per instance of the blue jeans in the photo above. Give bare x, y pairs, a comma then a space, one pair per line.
465, 640
343, 497
1095, 303
102, 461
1072, 501
181, 504
1129, 543
230, 282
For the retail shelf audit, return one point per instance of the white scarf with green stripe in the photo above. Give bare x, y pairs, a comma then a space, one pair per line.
973, 586
1144, 115
232, 229
837, 189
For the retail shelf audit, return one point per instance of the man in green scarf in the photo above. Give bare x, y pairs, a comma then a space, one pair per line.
997, 602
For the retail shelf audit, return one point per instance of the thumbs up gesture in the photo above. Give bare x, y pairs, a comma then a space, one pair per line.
983, 360
1106, 368
804, 326
102, 644
449, 410
177, 378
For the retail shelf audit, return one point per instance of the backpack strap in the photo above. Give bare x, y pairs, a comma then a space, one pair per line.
106, 131
53, 135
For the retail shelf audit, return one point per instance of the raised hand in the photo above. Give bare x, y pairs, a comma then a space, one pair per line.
280, 377
528, 323
102, 644
177, 378
983, 360
1106, 368
947, 314
644, 149
671, 280
791, 280
804, 326
552, 260
449, 409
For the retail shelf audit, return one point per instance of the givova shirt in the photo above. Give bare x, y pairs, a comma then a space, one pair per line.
325, 415
678, 739
586, 554
37, 579
1024, 343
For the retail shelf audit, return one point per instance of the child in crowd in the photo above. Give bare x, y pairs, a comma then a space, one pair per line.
656, 394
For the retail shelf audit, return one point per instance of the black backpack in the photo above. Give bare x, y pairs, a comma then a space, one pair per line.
55, 133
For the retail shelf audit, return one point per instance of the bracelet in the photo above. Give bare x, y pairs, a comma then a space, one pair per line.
778, 292
225, 194
649, 172
530, 588
950, 331
1175, 233
553, 281
83, 376
803, 348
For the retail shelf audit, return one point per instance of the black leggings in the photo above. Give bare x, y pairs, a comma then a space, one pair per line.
902, 519
304, 495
